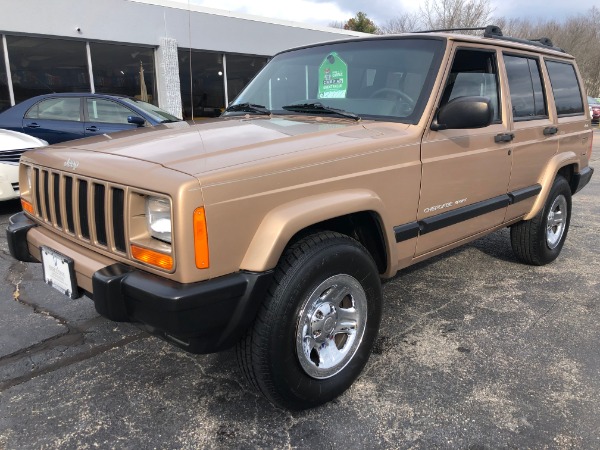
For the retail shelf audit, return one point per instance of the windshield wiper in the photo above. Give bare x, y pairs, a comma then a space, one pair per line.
249, 108
319, 108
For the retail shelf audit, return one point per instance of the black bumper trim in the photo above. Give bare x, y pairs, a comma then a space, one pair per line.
200, 317
16, 235
581, 179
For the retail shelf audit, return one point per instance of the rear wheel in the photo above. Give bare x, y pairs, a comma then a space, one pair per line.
315, 330
539, 241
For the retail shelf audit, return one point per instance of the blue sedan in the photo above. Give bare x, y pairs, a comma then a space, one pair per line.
65, 116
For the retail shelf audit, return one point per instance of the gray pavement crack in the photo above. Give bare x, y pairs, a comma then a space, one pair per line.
5, 385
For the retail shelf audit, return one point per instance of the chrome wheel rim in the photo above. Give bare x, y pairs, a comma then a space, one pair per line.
556, 221
330, 326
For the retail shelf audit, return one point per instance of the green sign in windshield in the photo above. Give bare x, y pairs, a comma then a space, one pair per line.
333, 77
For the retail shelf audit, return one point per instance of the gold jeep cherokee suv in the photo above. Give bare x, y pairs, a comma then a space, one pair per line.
271, 227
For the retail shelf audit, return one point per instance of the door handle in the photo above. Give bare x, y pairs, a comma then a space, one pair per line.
33, 125
92, 128
504, 137
549, 131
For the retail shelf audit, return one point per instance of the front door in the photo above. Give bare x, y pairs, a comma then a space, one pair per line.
106, 116
465, 172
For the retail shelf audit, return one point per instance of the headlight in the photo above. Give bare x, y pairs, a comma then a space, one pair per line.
158, 217
28, 177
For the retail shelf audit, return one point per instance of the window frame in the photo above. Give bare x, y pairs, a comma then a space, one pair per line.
36, 105
88, 118
542, 82
493, 51
574, 67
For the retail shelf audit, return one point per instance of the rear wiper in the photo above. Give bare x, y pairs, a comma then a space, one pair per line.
250, 108
319, 108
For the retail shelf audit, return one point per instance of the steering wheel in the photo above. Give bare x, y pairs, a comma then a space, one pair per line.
397, 92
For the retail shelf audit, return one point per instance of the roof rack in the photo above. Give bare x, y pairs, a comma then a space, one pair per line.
493, 31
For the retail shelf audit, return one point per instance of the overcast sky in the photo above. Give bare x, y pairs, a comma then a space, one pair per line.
323, 12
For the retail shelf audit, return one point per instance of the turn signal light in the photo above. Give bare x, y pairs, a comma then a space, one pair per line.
28, 207
200, 239
152, 258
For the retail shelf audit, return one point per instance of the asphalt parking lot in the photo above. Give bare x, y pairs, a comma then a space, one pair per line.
476, 351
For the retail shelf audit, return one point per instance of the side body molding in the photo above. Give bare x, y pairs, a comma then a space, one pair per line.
283, 222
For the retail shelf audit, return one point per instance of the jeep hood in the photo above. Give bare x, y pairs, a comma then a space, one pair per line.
208, 146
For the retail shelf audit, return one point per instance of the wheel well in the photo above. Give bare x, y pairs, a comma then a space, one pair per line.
363, 226
567, 172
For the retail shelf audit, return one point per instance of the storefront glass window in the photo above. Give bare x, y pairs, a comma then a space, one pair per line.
118, 70
4, 94
202, 86
240, 70
42, 66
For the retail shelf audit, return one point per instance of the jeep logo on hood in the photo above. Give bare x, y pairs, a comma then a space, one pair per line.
71, 164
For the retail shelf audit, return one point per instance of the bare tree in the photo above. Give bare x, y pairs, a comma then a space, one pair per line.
337, 24
401, 24
578, 35
438, 14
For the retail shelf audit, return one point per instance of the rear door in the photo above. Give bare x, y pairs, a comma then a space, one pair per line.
465, 172
106, 116
535, 132
55, 119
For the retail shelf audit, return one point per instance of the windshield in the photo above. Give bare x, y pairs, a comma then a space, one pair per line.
154, 112
387, 79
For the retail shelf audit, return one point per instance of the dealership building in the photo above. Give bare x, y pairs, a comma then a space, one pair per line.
189, 60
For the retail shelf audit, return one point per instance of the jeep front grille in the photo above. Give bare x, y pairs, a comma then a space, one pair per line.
88, 209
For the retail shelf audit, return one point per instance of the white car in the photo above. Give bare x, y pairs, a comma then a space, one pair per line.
12, 146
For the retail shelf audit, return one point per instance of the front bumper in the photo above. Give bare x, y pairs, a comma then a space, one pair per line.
201, 317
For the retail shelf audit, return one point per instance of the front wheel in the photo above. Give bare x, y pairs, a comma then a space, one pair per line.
539, 241
315, 330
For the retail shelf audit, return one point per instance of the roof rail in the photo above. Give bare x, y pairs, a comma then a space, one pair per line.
493, 31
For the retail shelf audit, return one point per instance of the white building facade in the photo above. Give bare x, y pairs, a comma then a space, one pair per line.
189, 60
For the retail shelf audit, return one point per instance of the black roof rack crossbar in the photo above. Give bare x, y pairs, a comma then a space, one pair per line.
493, 31
490, 29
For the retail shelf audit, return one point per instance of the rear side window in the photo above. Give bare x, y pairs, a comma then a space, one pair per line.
65, 108
525, 83
565, 87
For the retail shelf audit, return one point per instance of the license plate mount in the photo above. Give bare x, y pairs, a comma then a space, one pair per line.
59, 272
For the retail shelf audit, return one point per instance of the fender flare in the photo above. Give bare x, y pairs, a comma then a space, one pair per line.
547, 179
282, 223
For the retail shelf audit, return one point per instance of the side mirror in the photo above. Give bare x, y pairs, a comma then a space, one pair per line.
464, 112
136, 120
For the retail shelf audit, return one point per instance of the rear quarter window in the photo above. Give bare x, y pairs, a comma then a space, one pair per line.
565, 88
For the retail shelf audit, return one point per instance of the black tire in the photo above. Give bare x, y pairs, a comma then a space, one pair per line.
533, 241
291, 318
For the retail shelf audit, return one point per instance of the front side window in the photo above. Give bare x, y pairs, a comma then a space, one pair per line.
565, 87
525, 83
388, 79
106, 111
473, 73
67, 108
